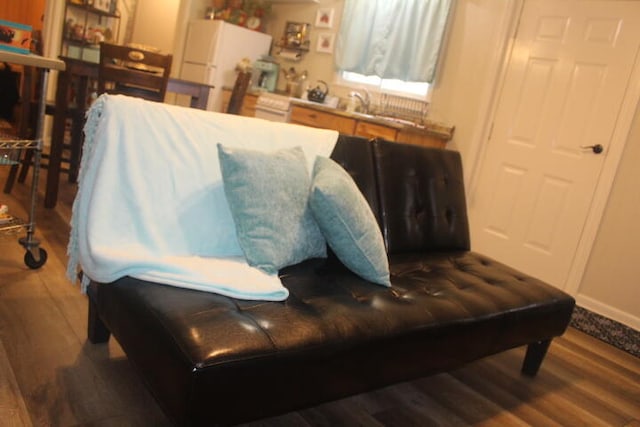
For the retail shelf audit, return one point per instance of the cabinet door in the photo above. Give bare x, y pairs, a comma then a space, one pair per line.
372, 130
421, 139
320, 119
249, 105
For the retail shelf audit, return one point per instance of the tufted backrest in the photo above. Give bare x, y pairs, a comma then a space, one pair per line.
416, 193
355, 155
421, 198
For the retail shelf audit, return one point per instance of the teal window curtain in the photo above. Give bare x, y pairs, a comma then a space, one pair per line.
392, 39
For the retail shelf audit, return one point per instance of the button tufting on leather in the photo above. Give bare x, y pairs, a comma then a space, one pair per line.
448, 214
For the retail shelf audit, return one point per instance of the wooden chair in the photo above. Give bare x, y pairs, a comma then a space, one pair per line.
240, 87
238, 92
135, 72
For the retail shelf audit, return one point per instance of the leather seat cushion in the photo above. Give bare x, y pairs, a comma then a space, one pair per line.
443, 309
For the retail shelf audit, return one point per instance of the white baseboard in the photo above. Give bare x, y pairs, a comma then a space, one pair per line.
608, 311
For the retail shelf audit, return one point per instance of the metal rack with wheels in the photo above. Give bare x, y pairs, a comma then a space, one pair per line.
10, 149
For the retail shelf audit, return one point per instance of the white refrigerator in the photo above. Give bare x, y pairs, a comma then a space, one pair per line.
212, 50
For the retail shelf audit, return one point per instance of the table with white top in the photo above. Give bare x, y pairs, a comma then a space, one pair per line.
35, 256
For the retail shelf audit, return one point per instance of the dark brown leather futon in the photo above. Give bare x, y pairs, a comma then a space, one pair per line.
214, 360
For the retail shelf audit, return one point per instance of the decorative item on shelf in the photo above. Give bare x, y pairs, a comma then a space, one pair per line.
86, 25
108, 34
295, 41
296, 36
95, 36
78, 33
245, 13
294, 81
68, 28
103, 5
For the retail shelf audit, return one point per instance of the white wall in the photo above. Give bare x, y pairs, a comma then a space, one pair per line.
463, 86
611, 282
155, 23
319, 66
187, 10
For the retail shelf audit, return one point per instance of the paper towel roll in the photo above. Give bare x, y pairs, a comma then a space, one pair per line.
291, 55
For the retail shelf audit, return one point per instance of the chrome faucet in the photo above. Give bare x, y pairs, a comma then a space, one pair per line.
365, 100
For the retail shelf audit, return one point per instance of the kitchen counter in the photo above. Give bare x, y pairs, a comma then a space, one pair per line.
430, 128
309, 113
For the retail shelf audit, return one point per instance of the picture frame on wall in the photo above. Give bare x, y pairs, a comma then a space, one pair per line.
296, 35
325, 43
324, 17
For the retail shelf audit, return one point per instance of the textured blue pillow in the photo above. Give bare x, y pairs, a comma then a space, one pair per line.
347, 222
268, 195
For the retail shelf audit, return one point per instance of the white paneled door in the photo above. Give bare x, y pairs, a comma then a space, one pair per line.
561, 99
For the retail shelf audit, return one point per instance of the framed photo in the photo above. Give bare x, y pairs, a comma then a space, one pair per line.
325, 43
324, 18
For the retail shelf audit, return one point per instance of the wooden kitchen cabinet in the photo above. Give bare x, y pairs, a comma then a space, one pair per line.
310, 116
421, 138
373, 130
248, 104
320, 119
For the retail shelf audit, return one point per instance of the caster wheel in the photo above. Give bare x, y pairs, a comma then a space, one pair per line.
33, 263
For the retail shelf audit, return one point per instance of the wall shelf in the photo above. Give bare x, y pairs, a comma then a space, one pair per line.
84, 28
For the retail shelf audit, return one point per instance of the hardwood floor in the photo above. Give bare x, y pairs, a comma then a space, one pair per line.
51, 376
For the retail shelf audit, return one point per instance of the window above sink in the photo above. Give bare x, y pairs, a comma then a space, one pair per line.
391, 46
411, 89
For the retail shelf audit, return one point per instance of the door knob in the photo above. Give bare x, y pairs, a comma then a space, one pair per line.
598, 148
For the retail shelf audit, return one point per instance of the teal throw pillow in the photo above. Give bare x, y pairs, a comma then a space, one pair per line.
268, 195
347, 222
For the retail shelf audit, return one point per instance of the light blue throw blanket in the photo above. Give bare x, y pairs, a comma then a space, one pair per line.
151, 203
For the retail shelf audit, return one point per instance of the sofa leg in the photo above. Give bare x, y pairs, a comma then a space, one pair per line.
97, 331
533, 359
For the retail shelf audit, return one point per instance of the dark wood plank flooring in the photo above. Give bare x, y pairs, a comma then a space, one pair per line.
51, 376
